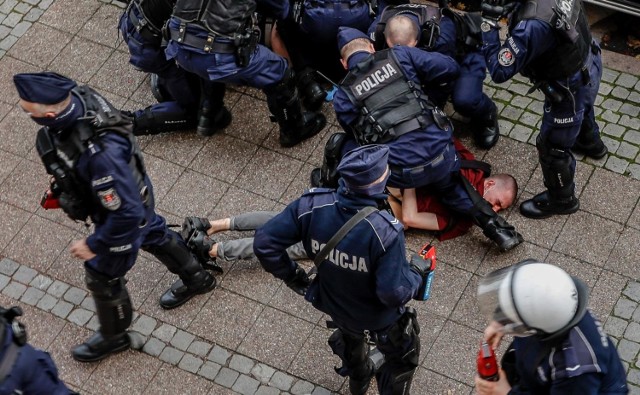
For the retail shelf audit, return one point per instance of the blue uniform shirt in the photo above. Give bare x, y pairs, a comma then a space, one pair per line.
365, 281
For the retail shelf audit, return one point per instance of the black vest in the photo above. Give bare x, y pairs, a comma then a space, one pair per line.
569, 22
155, 12
428, 20
390, 104
220, 17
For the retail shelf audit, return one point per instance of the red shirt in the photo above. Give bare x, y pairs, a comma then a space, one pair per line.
427, 202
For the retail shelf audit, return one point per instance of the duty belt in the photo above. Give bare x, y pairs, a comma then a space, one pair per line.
142, 25
208, 44
345, 5
432, 163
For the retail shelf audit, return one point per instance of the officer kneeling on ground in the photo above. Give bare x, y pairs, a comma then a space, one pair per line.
98, 172
24, 369
560, 348
364, 280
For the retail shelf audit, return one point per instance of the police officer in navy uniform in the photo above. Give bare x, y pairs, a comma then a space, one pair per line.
449, 32
98, 172
380, 101
550, 43
24, 369
559, 346
364, 282
218, 40
140, 26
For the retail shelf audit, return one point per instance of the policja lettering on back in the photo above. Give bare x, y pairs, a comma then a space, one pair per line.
339, 258
375, 78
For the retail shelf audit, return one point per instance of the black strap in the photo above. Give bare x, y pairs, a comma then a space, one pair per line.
10, 357
341, 233
476, 164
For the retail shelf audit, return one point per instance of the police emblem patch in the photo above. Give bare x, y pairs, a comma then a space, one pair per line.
505, 57
109, 199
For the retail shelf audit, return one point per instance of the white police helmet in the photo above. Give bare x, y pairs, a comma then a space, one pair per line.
533, 298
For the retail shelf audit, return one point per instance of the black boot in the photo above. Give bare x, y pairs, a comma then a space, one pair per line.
158, 89
192, 224
327, 175
312, 93
184, 289
209, 125
590, 144
498, 230
487, 132
114, 311
360, 385
544, 206
148, 121
284, 103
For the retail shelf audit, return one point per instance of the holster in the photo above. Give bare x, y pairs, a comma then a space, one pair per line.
245, 45
338, 346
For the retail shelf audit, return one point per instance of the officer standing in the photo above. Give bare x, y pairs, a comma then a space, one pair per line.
552, 46
140, 26
365, 280
98, 172
380, 101
218, 40
559, 347
23, 368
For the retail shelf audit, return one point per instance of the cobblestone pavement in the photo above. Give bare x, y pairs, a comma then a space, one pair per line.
252, 335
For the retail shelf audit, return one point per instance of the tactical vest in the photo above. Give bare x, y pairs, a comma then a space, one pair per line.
428, 20
569, 23
224, 18
155, 12
60, 156
468, 35
390, 104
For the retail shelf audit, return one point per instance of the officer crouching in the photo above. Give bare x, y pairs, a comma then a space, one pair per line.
364, 281
98, 173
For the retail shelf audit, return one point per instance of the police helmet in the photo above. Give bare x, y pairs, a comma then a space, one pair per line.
533, 298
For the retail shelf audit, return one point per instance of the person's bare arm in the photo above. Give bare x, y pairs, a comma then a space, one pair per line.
414, 219
395, 201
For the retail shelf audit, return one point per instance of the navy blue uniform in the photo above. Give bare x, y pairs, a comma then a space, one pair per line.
586, 363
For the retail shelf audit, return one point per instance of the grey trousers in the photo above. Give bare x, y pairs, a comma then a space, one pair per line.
243, 248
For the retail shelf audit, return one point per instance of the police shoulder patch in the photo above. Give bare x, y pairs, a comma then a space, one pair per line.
109, 199
505, 57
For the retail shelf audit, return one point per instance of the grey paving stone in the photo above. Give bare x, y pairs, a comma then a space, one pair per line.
153, 347
620, 93
41, 282
145, 325
62, 309
632, 291
611, 104
604, 89
44, 4
219, 355
75, 295
613, 130
521, 101
263, 372
7, 5
615, 326
633, 332
57, 289
612, 144
628, 350
616, 164
12, 19
511, 113
302, 387
281, 380
630, 109
520, 89
609, 75
634, 390
80, 316
241, 363
190, 363
32, 296
246, 385
171, 355
627, 80
14, 290
33, 15
634, 170
88, 303
47, 302
520, 133
4, 30
199, 348
21, 28
25, 274
634, 376
209, 370
321, 391
634, 97
8, 267
264, 390
627, 151
22, 8
181, 340
93, 323
610, 116
226, 377
503, 95
505, 126
165, 332
4, 280
632, 136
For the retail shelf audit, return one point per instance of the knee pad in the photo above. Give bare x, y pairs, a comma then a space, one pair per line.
113, 304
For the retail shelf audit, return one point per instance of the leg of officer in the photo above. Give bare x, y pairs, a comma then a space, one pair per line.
353, 351
335, 147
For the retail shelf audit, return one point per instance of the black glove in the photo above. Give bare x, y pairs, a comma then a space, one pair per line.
422, 267
299, 281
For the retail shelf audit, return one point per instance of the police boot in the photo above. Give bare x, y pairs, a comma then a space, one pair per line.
209, 123
114, 311
487, 131
284, 103
158, 89
589, 143
200, 244
558, 168
162, 118
327, 175
312, 93
194, 280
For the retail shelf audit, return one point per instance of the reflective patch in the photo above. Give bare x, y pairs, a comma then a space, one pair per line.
109, 199
505, 57
123, 248
101, 181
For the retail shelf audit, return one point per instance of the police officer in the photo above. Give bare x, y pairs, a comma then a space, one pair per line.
218, 40
23, 368
98, 172
365, 280
559, 347
448, 32
551, 44
140, 26
380, 101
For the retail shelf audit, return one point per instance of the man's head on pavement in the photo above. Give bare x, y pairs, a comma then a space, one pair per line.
45, 96
402, 30
351, 41
500, 190
364, 170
